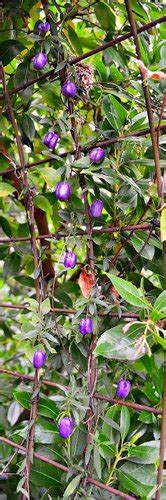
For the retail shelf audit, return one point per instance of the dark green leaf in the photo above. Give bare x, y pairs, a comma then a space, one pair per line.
9, 49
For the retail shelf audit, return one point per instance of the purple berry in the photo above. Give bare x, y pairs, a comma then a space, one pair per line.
40, 60
66, 427
39, 359
63, 191
51, 139
69, 89
96, 208
123, 388
70, 259
97, 155
43, 28
85, 326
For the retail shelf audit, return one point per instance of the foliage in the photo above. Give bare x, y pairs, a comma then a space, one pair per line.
129, 281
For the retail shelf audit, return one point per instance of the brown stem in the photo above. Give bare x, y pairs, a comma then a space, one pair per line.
65, 469
30, 219
162, 439
147, 98
58, 235
61, 310
90, 53
135, 406
92, 369
97, 395
103, 143
163, 426
163, 106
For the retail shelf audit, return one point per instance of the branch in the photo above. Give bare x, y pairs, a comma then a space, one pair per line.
147, 98
97, 395
65, 469
30, 219
90, 53
103, 143
81, 232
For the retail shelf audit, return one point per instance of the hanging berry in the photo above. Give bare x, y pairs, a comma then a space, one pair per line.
66, 427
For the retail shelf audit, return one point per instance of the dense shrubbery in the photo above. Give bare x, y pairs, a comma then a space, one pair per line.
88, 302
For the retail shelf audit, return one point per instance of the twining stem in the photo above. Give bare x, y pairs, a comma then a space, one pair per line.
147, 99
29, 206
99, 48
102, 143
92, 369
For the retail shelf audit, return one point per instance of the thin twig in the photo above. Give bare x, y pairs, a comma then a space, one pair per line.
147, 98
97, 395
84, 149
30, 219
62, 467
159, 127
81, 232
90, 53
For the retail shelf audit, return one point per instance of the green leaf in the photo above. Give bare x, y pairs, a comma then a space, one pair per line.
137, 478
45, 306
97, 461
159, 307
28, 127
75, 42
72, 486
124, 422
6, 226
6, 189
128, 291
12, 264
46, 432
50, 176
9, 50
163, 225
42, 202
46, 475
46, 407
147, 252
115, 344
108, 429
119, 110
105, 16
146, 453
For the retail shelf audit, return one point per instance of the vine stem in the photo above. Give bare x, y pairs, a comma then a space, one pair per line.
99, 48
62, 467
82, 232
92, 369
147, 98
98, 396
102, 143
29, 206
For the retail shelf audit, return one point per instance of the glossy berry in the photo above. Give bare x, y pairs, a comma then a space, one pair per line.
43, 28
85, 326
96, 208
97, 155
69, 89
63, 191
40, 60
66, 427
123, 388
70, 259
39, 359
51, 139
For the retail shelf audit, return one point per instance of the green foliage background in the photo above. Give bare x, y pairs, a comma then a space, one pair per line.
125, 441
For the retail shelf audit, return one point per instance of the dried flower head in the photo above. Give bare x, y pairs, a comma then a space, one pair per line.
84, 77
